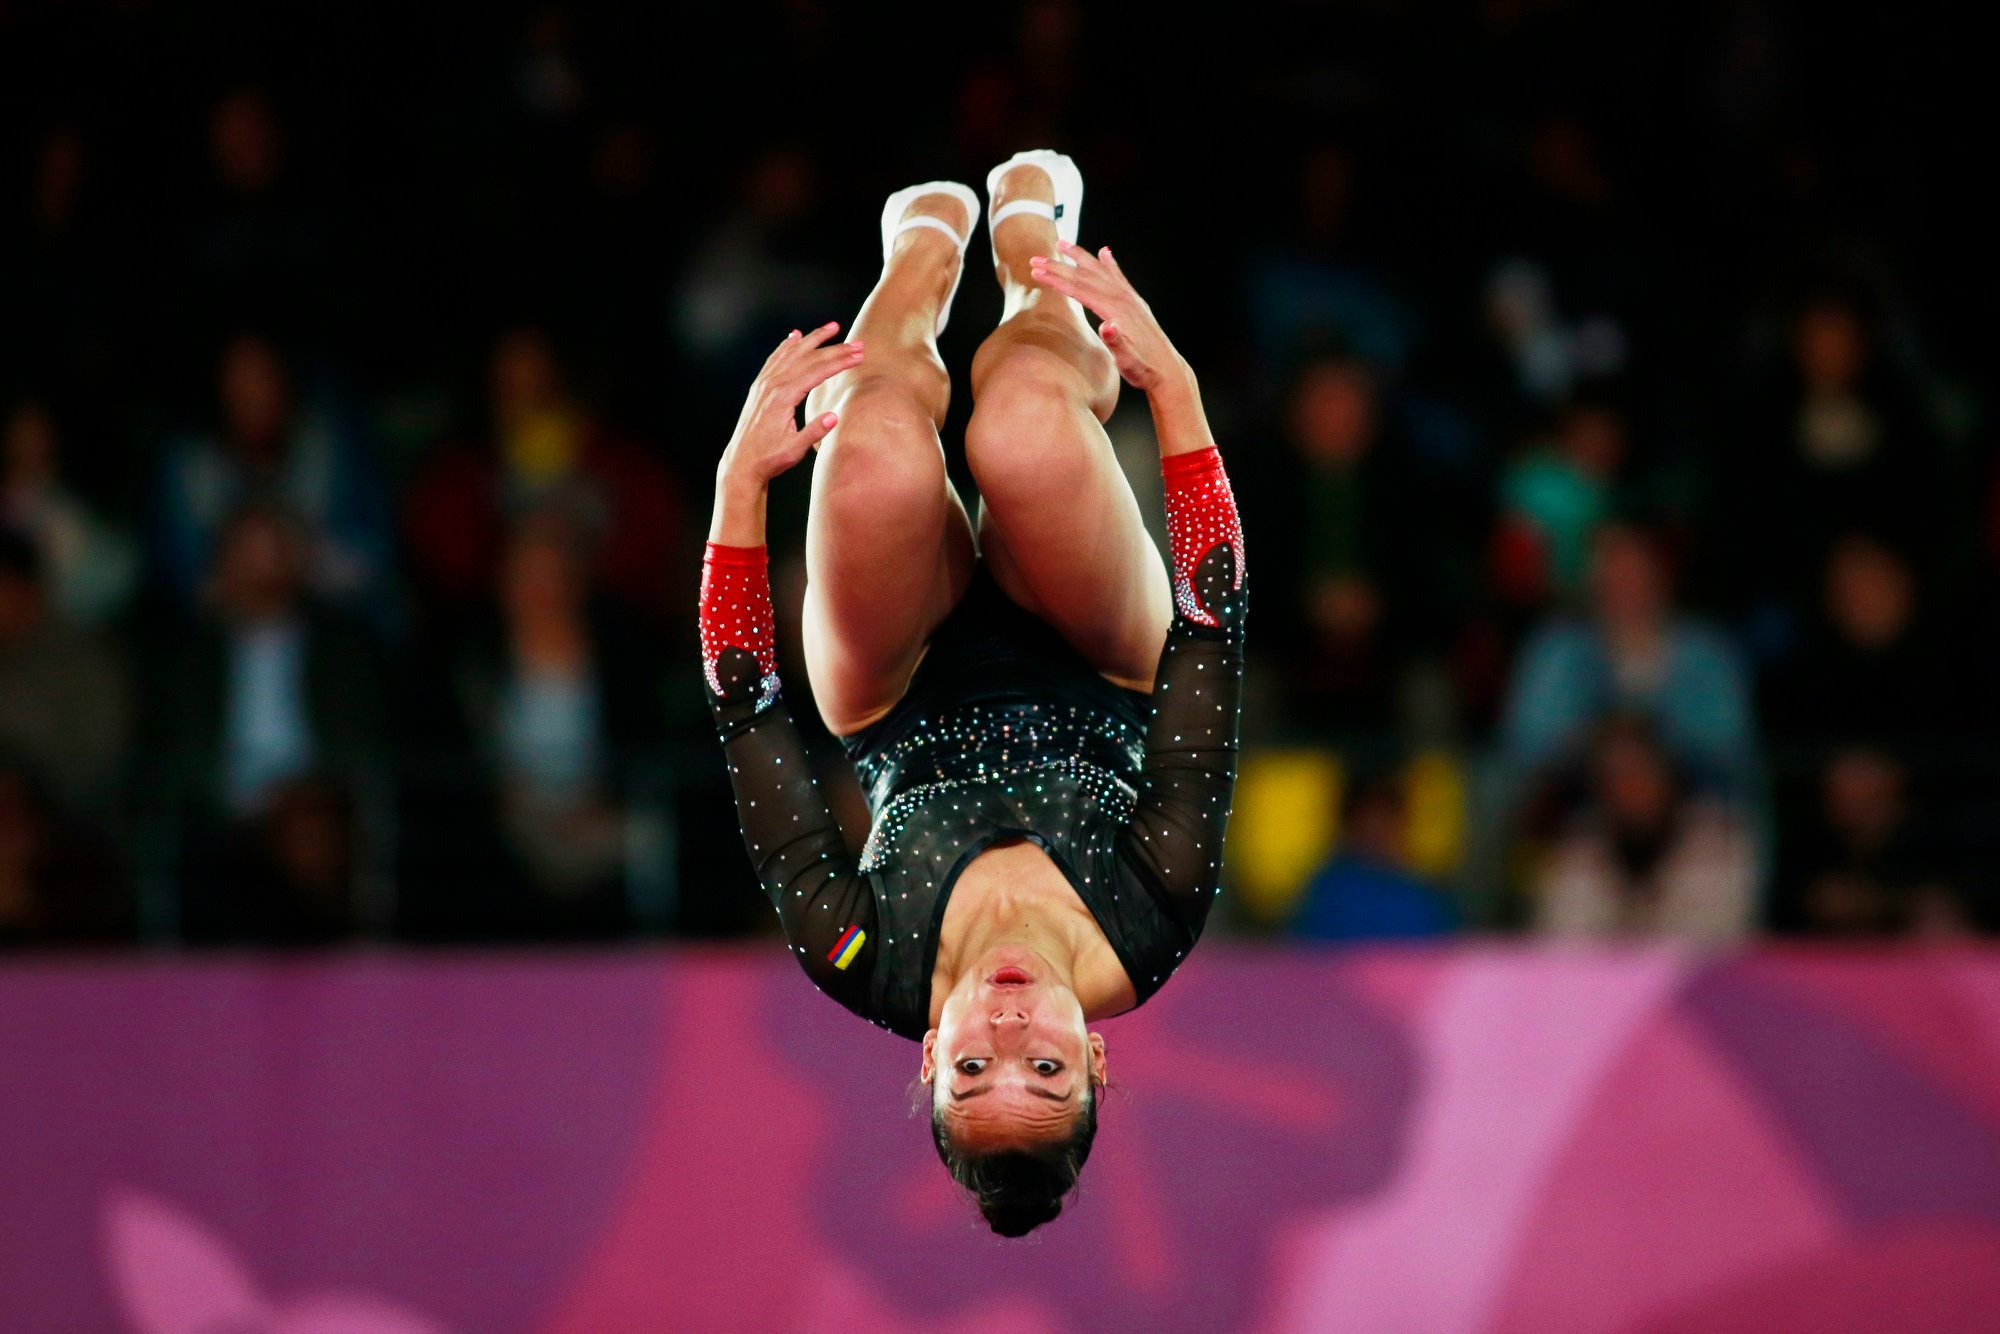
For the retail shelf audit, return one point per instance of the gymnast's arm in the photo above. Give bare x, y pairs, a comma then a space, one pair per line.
824, 903
1173, 842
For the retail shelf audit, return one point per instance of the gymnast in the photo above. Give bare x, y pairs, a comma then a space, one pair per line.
1043, 717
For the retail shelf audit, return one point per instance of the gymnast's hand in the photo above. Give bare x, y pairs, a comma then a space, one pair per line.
1144, 355
768, 438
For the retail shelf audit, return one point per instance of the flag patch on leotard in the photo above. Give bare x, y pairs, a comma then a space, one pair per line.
849, 945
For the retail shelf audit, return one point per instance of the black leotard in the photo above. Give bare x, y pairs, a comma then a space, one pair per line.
1004, 732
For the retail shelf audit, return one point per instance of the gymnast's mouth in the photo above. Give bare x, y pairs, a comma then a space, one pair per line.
1010, 976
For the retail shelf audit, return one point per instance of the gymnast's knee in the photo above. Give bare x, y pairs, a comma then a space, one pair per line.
898, 403
884, 455
1025, 427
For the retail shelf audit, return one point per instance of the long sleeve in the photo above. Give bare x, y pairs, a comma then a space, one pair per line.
1173, 841
824, 903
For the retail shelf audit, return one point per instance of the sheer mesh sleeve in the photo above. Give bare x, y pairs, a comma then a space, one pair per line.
1173, 842
826, 906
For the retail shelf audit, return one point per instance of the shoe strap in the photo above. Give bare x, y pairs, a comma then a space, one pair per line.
925, 220
1039, 208
1034, 206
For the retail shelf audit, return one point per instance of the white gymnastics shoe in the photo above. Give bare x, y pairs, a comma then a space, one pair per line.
1068, 183
894, 224
1065, 212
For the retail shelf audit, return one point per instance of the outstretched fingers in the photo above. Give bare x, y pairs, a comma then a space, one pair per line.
769, 437
806, 342
804, 373
796, 342
1095, 295
1085, 261
1102, 266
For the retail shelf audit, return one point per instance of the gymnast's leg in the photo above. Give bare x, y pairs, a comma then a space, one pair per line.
1058, 525
888, 545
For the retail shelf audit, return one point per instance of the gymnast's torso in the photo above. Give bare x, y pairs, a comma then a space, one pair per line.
1004, 732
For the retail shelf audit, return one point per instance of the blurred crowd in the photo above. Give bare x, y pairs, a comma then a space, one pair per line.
1602, 386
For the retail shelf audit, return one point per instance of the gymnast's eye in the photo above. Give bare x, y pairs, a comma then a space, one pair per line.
972, 1065
1044, 1066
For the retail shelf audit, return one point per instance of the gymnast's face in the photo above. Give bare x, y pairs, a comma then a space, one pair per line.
1011, 1062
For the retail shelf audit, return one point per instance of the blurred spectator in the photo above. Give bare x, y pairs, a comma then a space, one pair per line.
1552, 499
260, 248
272, 686
548, 83
54, 884
1347, 560
613, 272
1367, 891
562, 698
546, 452
62, 265
1310, 282
1870, 668
1546, 354
90, 566
288, 875
1646, 856
64, 712
273, 445
1838, 442
1051, 63
1633, 653
1863, 863
751, 272
1558, 298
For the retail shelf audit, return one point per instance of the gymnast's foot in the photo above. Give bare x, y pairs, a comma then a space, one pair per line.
1022, 235
1033, 199
924, 231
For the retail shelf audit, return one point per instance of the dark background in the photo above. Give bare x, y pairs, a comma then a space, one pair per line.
356, 359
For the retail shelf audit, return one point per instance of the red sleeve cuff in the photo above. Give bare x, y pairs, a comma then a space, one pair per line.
1201, 515
736, 614
1179, 469
735, 558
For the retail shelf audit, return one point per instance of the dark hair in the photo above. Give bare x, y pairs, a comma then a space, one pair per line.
1020, 1189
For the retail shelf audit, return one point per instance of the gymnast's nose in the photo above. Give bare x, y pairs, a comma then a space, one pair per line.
1009, 1016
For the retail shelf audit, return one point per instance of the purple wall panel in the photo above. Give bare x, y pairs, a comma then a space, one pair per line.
1487, 1139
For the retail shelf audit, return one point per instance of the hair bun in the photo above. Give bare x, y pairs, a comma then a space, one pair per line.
1017, 1217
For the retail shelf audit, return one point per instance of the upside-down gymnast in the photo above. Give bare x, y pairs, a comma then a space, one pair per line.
1043, 717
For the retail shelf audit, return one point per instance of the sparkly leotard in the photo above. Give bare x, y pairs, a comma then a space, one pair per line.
1004, 732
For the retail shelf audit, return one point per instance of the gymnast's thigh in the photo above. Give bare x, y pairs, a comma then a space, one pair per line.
889, 551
